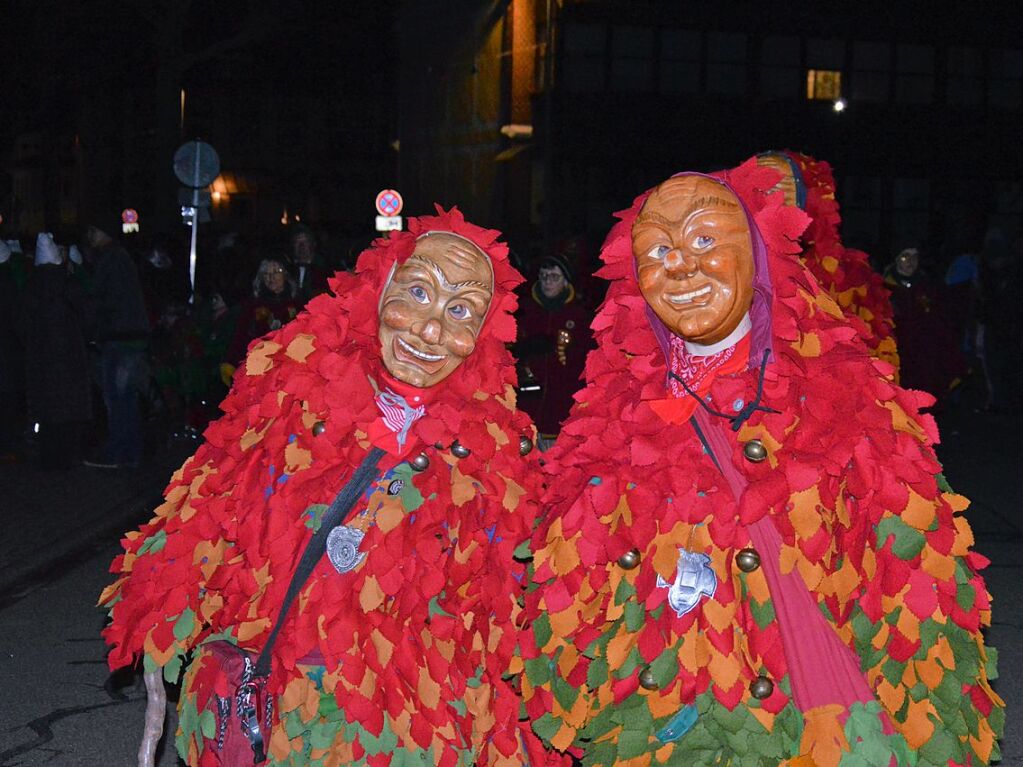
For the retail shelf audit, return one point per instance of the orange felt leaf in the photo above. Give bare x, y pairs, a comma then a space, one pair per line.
766, 718
296, 458
563, 738
919, 512
462, 489
807, 345
891, 697
902, 422
941, 566
908, 625
161, 656
619, 646
930, 672
830, 263
563, 623
664, 753
497, 433
259, 360
694, 652
805, 518
719, 615
576, 716
964, 537
428, 690
252, 628
384, 647
845, 579
823, 738
251, 436
371, 596
789, 558
621, 514
301, 346
663, 705
725, 670
512, 493
390, 514
918, 727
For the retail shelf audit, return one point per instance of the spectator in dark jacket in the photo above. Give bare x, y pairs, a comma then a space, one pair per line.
119, 325
50, 321
12, 369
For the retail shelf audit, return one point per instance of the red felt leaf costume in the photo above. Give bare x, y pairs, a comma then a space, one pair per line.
838, 604
844, 273
403, 656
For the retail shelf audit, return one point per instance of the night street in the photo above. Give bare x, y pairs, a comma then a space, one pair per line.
62, 707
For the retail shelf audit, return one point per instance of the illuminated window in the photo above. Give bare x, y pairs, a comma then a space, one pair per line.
824, 84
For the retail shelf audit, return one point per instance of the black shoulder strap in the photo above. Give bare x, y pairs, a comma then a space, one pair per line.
317, 545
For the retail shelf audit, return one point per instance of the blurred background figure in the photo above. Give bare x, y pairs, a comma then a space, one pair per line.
310, 272
119, 326
273, 302
50, 322
12, 369
929, 350
998, 319
554, 338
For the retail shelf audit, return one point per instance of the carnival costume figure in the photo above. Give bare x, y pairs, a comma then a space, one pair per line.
844, 273
749, 555
396, 646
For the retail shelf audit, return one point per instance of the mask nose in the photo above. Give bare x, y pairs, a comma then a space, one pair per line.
430, 331
679, 262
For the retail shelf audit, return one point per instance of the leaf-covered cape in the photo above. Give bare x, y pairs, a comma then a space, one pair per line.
844, 273
850, 483
413, 643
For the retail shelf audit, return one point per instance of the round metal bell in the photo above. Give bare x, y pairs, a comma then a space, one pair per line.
747, 560
754, 451
525, 445
439, 445
761, 688
421, 462
629, 560
459, 450
318, 428
646, 679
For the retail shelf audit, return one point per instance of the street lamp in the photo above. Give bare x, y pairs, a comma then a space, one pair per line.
839, 105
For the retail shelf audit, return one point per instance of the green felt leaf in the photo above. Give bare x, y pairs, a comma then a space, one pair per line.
893, 670
208, 724
965, 596
564, 693
991, 664
542, 630
293, 724
763, 613
665, 666
601, 753
185, 625
907, 542
314, 515
943, 484
523, 553
154, 543
633, 743
546, 727
940, 747
538, 670
596, 674
434, 607
172, 670
624, 592
635, 614
410, 496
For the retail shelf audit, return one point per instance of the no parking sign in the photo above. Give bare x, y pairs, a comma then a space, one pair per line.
389, 205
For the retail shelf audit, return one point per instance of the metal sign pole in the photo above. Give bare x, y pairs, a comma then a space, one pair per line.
195, 222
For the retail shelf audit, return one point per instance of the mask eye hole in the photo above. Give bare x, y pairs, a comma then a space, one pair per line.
459, 311
419, 294
658, 252
703, 242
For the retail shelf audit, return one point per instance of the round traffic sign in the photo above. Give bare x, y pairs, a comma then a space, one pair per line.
129, 216
196, 164
389, 203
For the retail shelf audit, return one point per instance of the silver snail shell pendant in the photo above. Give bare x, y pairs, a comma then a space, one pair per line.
420, 462
459, 450
343, 548
525, 445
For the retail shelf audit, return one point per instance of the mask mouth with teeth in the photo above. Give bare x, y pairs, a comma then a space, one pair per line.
432, 308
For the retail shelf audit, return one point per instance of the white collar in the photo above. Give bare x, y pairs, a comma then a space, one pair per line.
699, 350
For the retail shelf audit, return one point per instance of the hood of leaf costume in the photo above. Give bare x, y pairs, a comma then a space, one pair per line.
850, 463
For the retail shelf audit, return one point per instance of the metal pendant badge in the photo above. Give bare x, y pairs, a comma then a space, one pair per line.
343, 548
694, 579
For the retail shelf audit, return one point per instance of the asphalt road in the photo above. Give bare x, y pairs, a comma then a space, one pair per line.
60, 706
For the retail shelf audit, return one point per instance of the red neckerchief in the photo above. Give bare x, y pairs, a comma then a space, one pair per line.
380, 431
699, 373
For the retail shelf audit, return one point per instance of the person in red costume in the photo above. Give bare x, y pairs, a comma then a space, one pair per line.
749, 554
397, 646
845, 273
554, 338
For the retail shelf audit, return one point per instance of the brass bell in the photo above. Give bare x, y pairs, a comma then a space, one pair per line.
747, 560
525, 445
629, 560
318, 428
761, 688
459, 450
754, 451
647, 680
439, 445
421, 462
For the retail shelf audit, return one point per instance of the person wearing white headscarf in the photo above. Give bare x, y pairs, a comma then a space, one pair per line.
49, 321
